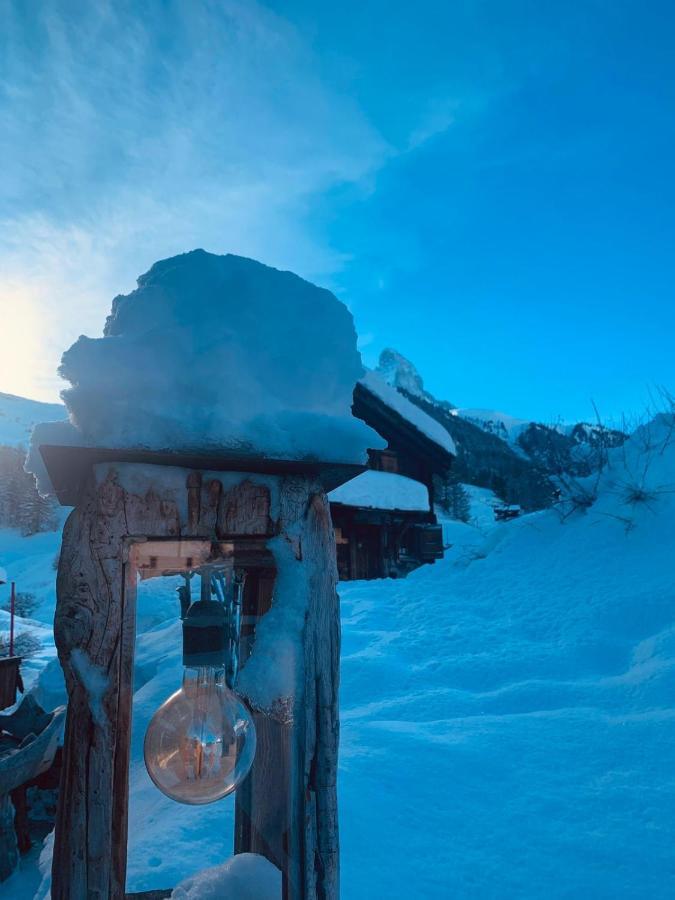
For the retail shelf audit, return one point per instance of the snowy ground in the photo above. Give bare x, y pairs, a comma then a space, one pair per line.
30, 562
507, 715
507, 725
18, 415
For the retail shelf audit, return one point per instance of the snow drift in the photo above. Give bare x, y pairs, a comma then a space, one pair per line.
244, 877
507, 721
217, 352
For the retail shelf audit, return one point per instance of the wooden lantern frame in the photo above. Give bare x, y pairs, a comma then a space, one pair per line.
286, 809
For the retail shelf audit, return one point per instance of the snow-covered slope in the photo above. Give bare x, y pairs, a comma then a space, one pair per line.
508, 728
531, 452
508, 713
495, 422
29, 561
575, 449
18, 415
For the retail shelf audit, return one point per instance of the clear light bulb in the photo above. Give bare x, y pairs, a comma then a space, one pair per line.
200, 743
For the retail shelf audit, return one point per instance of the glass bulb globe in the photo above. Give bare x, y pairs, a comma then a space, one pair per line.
200, 743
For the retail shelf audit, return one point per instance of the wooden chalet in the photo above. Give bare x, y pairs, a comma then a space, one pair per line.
505, 513
384, 521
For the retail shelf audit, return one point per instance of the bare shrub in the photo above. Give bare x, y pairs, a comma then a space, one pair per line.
26, 644
635, 493
24, 604
578, 495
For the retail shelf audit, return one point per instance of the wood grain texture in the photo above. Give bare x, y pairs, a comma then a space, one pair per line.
96, 747
244, 510
319, 750
288, 808
9, 851
262, 817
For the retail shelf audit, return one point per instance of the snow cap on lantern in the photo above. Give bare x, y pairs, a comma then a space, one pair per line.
217, 353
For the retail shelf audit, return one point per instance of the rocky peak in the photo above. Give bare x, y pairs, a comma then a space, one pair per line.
400, 373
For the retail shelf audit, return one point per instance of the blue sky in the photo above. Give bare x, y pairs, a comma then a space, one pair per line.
487, 185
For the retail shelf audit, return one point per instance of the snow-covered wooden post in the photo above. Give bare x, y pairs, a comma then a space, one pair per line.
287, 808
201, 423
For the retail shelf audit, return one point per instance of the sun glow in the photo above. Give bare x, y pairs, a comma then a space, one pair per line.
24, 367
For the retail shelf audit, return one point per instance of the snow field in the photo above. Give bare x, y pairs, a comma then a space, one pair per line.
507, 715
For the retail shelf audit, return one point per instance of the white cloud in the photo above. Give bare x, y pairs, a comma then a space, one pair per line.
132, 136
436, 121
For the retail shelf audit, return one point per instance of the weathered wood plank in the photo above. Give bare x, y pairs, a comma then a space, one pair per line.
151, 514
320, 707
9, 851
293, 810
87, 628
94, 629
149, 895
208, 512
245, 509
194, 501
262, 819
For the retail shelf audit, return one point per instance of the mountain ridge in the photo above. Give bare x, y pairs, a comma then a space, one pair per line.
524, 462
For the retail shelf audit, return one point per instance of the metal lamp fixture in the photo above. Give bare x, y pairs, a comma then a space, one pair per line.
201, 742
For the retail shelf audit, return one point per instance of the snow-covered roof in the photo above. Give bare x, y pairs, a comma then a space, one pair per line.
382, 490
424, 423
